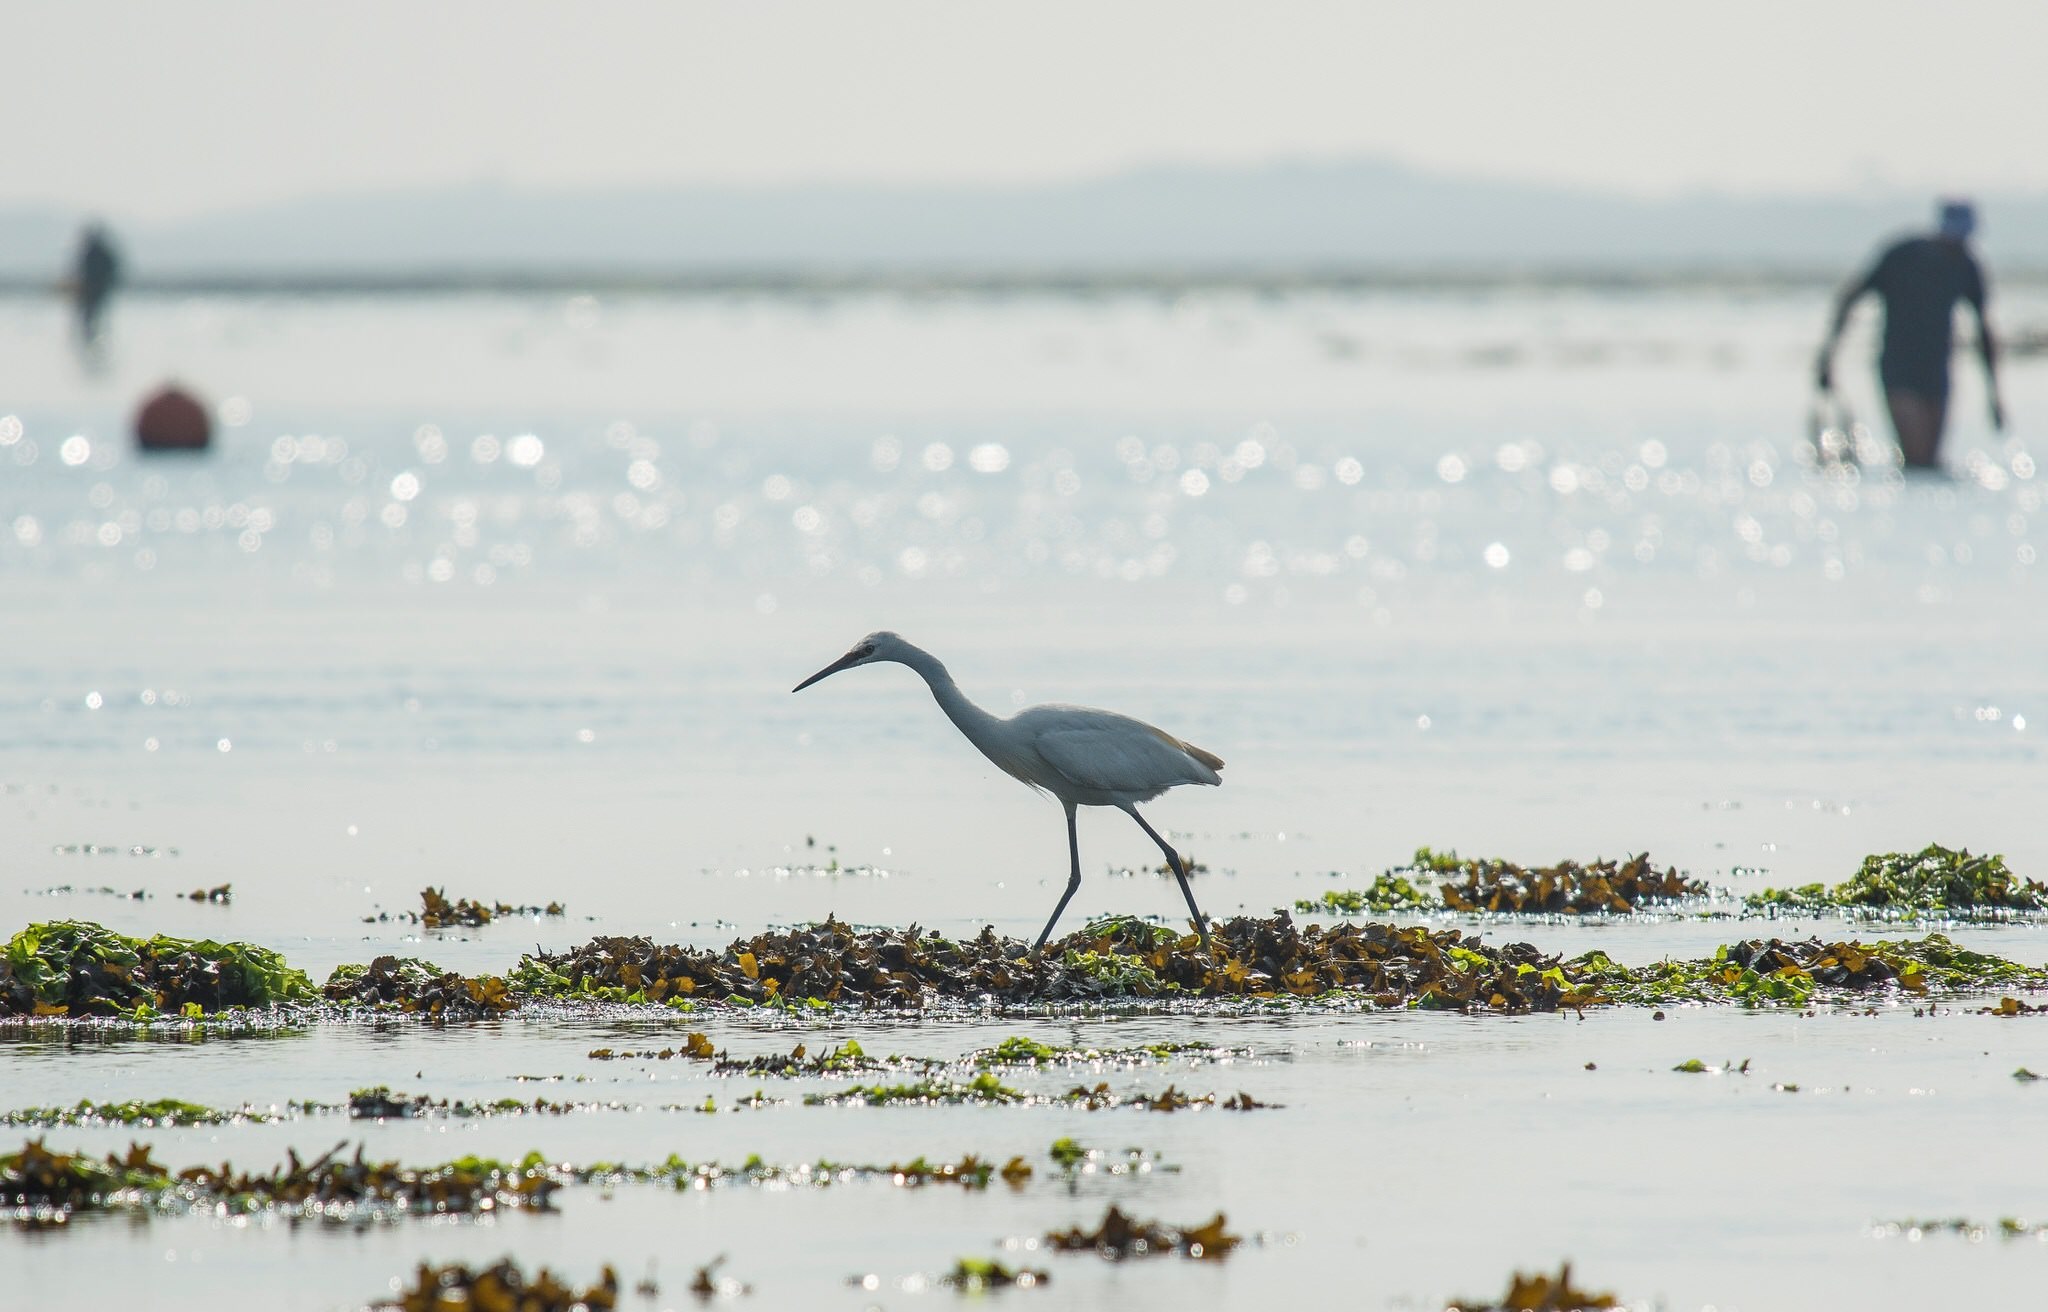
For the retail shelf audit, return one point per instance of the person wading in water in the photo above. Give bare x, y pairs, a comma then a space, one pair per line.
1920, 279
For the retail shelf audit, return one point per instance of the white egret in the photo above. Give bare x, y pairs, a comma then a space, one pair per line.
1082, 756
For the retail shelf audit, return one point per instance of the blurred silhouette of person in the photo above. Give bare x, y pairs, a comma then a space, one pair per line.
93, 280
1920, 279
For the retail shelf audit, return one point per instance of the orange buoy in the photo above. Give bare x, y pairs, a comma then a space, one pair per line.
173, 420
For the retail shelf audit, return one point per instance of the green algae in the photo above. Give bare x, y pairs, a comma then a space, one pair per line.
1935, 881
982, 1088
142, 1114
848, 1058
1133, 930
975, 1274
970, 1172
1019, 1050
380, 1103
79, 968
1390, 892
1114, 971
1172, 1098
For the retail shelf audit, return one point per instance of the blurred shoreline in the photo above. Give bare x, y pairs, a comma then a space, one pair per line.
796, 281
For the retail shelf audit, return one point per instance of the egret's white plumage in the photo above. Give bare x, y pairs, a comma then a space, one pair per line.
1082, 756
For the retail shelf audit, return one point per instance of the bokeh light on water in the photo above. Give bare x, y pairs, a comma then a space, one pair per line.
1371, 469
1543, 523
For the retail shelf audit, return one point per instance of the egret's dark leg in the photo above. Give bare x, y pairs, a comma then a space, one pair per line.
1073, 880
1179, 872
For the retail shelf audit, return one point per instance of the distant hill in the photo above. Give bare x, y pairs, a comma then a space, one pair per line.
1286, 218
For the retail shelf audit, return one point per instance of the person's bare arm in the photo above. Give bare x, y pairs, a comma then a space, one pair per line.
1987, 351
1824, 367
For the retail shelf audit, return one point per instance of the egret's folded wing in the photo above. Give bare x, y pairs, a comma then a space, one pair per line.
1123, 756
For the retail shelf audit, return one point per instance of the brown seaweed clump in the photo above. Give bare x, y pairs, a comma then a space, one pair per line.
1119, 958
40, 1188
1567, 888
1120, 1236
437, 912
420, 986
500, 1288
469, 1185
1540, 1293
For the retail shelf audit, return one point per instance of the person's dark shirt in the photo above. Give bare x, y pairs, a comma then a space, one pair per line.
1921, 279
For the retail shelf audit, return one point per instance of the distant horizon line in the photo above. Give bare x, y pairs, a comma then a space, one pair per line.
1865, 191
795, 279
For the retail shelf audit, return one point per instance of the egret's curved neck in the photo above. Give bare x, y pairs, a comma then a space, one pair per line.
979, 726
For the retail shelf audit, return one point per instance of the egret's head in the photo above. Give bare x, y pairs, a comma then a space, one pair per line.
881, 645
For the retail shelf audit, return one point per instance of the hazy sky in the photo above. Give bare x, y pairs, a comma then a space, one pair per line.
147, 109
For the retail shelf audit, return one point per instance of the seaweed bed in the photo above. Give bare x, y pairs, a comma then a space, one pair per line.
1935, 881
1265, 958
75, 968
1491, 885
39, 1187
78, 968
141, 1114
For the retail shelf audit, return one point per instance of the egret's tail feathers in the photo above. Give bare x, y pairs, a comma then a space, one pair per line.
1210, 759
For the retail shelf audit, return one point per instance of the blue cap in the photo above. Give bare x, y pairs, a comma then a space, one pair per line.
1958, 219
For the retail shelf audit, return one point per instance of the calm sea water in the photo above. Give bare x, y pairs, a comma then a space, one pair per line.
507, 594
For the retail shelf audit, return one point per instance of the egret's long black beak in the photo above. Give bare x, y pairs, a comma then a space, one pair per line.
847, 661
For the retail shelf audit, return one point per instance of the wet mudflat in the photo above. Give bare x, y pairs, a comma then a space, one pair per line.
1792, 1128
